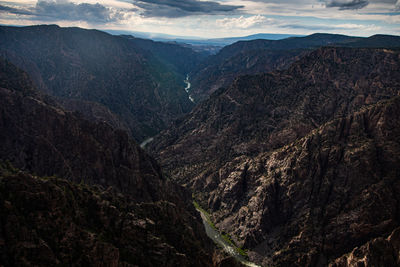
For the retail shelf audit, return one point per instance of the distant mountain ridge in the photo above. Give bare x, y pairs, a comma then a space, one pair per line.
266, 36
160, 37
261, 56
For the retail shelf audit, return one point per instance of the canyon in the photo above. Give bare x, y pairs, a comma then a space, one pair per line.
285, 152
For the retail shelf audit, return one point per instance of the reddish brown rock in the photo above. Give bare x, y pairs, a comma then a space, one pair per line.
299, 166
377, 252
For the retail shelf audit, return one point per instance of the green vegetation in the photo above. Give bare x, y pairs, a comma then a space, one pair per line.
206, 214
6, 168
224, 235
242, 251
229, 240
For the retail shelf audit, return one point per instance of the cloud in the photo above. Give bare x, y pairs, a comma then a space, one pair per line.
243, 22
347, 4
17, 11
179, 8
64, 10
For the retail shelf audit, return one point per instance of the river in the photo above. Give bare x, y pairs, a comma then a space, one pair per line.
216, 236
188, 86
145, 142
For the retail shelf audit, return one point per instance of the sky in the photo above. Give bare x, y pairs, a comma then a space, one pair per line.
211, 18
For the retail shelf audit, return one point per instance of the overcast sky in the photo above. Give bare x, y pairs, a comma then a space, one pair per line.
213, 18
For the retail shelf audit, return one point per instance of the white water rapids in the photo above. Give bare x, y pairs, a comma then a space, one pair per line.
187, 88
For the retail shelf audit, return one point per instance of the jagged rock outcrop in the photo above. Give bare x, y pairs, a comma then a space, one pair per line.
319, 197
116, 208
283, 181
46, 140
377, 252
264, 112
51, 222
92, 66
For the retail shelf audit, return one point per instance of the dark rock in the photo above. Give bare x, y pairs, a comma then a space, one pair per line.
48, 222
115, 73
261, 56
299, 166
377, 252
117, 208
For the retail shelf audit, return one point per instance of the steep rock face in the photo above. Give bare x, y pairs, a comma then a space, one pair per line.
54, 222
377, 252
94, 112
46, 140
260, 56
92, 66
220, 71
47, 222
318, 198
290, 202
264, 112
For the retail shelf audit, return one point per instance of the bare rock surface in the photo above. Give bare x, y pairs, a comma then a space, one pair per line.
298, 166
110, 206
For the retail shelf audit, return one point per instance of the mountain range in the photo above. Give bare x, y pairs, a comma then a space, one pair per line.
196, 41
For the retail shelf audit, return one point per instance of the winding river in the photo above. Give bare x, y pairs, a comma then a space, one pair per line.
211, 232
188, 86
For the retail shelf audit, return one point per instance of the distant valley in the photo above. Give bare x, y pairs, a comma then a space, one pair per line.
126, 82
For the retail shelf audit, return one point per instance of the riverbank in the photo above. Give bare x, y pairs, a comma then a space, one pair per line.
221, 240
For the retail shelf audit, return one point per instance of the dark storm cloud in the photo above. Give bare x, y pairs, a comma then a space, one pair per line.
179, 8
71, 11
341, 4
18, 11
346, 5
62, 10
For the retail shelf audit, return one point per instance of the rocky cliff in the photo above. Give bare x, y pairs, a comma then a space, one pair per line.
52, 222
115, 206
292, 163
322, 196
101, 74
264, 112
